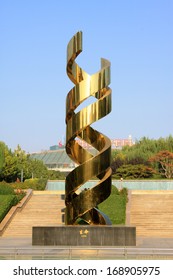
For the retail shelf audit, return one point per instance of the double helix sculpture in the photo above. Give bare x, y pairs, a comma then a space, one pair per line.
82, 204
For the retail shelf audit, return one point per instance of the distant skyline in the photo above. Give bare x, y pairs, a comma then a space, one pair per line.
136, 36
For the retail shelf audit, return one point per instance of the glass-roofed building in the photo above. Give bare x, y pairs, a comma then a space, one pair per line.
57, 159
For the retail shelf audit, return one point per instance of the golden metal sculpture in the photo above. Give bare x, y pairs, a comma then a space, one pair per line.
82, 205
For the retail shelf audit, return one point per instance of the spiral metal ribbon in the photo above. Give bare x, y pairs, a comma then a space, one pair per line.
81, 206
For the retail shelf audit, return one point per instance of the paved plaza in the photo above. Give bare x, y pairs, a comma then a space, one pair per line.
141, 242
146, 248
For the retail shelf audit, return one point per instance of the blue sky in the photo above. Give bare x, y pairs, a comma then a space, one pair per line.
136, 36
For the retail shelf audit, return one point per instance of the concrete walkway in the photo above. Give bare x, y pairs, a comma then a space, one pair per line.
147, 248
151, 242
142, 242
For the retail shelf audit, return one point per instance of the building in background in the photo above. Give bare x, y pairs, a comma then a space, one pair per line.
57, 159
120, 143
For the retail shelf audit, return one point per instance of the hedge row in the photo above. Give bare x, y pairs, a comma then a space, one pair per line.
8, 198
35, 184
6, 188
6, 202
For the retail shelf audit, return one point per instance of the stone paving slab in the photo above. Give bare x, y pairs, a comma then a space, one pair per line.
142, 242
21, 248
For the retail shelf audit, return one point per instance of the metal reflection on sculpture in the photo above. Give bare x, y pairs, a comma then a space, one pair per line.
81, 204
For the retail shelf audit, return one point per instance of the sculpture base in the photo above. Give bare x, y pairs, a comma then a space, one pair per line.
84, 236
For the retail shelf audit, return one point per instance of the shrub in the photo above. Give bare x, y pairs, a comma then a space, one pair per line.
6, 202
124, 192
35, 184
5, 188
129, 171
8, 198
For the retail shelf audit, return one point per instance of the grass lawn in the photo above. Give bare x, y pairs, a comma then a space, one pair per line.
115, 206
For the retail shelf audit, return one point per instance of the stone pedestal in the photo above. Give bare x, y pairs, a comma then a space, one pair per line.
84, 236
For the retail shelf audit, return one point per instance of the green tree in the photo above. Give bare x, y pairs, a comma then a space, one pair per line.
118, 160
138, 171
22, 161
37, 169
2, 150
19, 165
143, 149
9, 169
55, 175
